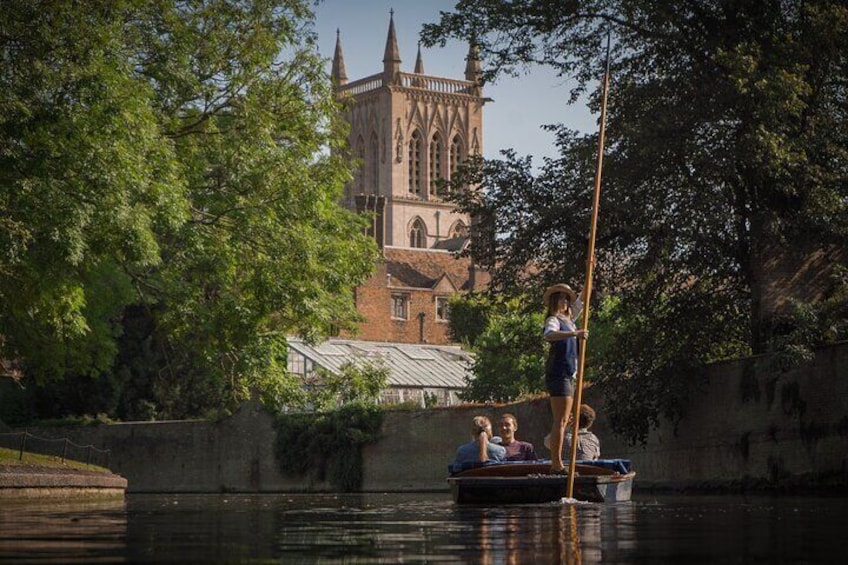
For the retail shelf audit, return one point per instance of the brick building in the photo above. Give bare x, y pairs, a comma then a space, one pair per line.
408, 131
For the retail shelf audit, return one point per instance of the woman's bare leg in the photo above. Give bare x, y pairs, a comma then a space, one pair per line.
561, 408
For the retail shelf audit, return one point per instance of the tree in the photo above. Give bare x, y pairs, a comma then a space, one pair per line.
469, 316
726, 139
177, 168
509, 357
355, 383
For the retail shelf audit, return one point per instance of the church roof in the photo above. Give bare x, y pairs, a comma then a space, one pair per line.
409, 365
453, 243
424, 268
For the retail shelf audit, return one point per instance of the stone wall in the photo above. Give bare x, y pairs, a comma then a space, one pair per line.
235, 454
745, 427
751, 427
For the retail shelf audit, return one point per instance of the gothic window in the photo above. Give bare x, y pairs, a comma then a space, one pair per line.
417, 234
455, 155
435, 162
374, 162
459, 229
400, 306
415, 163
359, 180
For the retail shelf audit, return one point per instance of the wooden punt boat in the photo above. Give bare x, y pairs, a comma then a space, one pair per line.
530, 482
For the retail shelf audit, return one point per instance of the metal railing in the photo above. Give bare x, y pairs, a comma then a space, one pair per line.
63, 448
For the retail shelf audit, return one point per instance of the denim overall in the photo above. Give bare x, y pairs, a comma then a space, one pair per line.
562, 359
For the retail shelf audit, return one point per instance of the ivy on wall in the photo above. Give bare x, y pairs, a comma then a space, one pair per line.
328, 445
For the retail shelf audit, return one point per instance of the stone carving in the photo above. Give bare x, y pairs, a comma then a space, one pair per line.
399, 143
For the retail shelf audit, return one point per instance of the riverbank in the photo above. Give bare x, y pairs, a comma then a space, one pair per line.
49, 477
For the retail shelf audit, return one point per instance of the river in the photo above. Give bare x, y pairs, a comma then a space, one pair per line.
423, 528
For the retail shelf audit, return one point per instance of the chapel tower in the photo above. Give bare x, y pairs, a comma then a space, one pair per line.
410, 132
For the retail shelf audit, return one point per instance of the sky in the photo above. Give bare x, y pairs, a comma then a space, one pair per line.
521, 105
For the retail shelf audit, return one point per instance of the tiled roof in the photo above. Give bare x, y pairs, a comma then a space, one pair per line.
410, 365
422, 268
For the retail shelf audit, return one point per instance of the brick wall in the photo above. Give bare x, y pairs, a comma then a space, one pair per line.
421, 277
800, 272
375, 306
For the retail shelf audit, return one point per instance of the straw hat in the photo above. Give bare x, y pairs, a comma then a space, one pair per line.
559, 287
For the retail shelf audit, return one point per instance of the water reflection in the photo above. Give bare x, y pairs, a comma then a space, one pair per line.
57, 531
546, 533
420, 528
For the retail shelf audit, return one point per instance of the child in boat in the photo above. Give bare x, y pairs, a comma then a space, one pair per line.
588, 444
516, 450
480, 448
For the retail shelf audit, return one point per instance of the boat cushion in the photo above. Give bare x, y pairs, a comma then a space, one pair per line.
618, 465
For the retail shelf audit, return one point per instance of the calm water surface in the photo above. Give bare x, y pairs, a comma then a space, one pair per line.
423, 528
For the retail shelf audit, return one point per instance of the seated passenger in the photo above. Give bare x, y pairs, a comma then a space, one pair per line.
588, 444
480, 449
516, 450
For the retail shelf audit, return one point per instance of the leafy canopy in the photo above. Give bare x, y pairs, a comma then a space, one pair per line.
170, 172
504, 341
726, 147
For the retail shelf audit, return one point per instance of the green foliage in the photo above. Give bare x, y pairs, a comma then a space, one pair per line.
328, 445
172, 172
726, 144
638, 361
508, 352
14, 406
431, 400
802, 327
359, 383
86, 184
468, 317
355, 383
